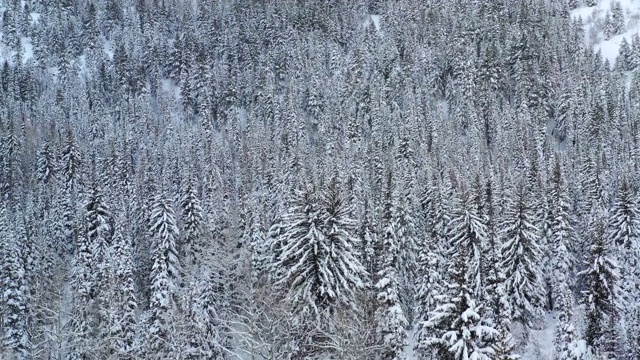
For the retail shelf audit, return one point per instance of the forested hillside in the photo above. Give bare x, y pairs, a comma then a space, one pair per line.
348, 179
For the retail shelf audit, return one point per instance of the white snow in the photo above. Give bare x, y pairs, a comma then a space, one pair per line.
580, 350
28, 49
82, 61
469, 314
242, 116
409, 351
171, 88
107, 47
372, 18
376, 21
35, 17
593, 17
541, 345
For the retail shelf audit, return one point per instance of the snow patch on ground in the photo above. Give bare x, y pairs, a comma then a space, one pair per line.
242, 116
169, 87
541, 342
594, 16
409, 351
28, 49
376, 21
35, 17
372, 18
82, 62
106, 47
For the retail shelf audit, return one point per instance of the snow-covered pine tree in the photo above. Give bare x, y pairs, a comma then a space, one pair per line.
624, 234
498, 308
193, 223
602, 297
567, 344
504, 345
98, 221
161, 307
320, 270
369, 246
391, 320
623, 60
608, 26
624, 221
164, 232
164, 277
634, 58
429, 282
492, 271
405, 235
406, 223
468, 226
339, 228
83, 323
71, 160
561, 236
300, 239
520, 254
124, 304
99, 229
618, 24
257, 247
46, 166
204, 338
16, 342
459, 329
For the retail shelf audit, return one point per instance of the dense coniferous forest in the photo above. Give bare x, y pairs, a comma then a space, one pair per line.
349, 179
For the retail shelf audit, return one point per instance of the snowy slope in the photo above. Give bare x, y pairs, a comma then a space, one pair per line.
541, 344
593, 18
411, 343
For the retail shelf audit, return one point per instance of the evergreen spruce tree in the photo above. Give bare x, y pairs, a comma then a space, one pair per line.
160, 308
460, 330
205, 340
124, 305
561, 240
71, 160
319, 260
193, 222
46, 164
602, 297
391, 320
498, 307
428, 276
340, 229
617, 18
468, 226
164, 232
625, 221
164, 278
623, 233
83, 324
15, 335
99, 228
634, 60
521, 257
98, 224
567, 344
608, 26
623, 60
